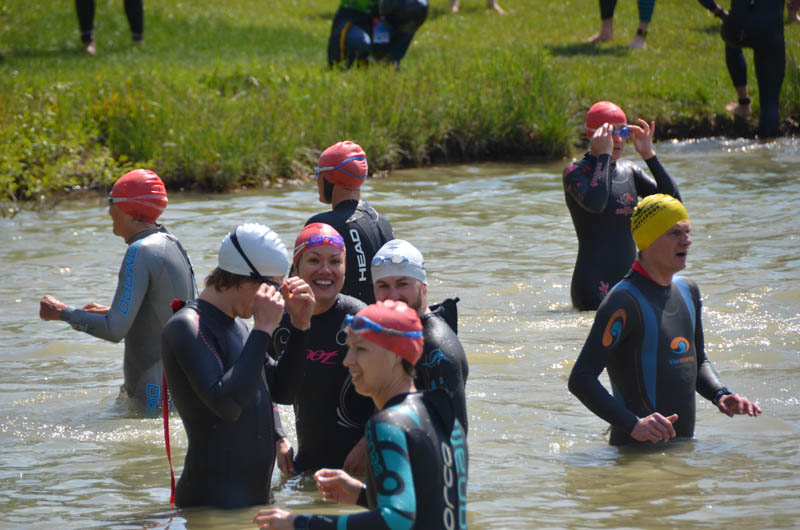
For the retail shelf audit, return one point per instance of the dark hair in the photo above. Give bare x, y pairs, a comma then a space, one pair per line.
409, 369
327, 189
221, 279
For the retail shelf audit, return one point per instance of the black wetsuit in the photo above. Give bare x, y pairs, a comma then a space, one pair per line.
134, 10
329, 414
364, 231
601, 196
650, 339
416, 470
216, 377
757, 24
443, 363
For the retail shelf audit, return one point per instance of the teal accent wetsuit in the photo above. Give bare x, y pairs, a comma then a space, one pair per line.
416, 469
650, 339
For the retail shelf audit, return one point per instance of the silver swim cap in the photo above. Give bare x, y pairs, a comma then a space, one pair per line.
398, 257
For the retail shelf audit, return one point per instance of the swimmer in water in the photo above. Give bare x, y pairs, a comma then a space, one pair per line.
418, 458
601, 192
341, 172
310, 344
155, 270
398, 271
219, 377
648, 334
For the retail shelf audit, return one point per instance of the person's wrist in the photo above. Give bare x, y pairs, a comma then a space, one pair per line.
724, 391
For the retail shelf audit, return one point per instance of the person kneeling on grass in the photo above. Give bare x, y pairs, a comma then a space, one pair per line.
417, 447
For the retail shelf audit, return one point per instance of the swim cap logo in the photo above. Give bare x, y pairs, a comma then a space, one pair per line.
614, 328
679, 345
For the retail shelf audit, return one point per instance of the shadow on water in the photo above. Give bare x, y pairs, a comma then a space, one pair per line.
586, 48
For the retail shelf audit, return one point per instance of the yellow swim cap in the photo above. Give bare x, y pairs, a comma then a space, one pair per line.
654, 215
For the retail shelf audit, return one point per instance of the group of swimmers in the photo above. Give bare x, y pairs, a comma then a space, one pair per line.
343, 332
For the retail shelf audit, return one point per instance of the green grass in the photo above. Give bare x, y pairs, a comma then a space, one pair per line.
238, 92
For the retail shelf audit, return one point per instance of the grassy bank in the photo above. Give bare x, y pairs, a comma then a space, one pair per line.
239, 93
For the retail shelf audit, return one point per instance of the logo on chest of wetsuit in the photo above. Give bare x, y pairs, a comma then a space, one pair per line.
627, 201
680, 346
360, 257
322, 356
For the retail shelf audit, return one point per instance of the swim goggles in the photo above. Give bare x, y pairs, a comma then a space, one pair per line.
623, 132
318, 170
397, 259
316, 240
359, 323
254, 272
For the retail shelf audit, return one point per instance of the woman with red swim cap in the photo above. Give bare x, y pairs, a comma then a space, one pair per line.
418, 465
601, 192
155, 270
310, 347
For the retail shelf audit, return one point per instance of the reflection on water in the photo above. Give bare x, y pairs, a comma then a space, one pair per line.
499, 237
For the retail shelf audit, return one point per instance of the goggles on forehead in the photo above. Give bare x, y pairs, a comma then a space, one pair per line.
316, 240
396, 259
318, 170
359, 323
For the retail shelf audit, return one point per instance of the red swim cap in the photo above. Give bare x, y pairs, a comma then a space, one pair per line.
603, 112
345, 164
315, 235
401, 329
140, 194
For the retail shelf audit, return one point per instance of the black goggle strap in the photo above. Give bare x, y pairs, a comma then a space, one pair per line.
254, 274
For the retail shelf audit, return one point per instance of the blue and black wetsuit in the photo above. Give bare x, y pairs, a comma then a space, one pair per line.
329, 414
416, 470
650, 339
646, 8
364, 231
354, 35
218, 381
443, 363
134, 10
757, 24
601, 195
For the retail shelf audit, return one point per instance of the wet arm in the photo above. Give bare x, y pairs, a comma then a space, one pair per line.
589, 182
594, 357
133, 282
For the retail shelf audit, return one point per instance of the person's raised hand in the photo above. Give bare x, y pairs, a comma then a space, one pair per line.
267, 308
602, 141
299, 302
654, 428
642, 138
50, 308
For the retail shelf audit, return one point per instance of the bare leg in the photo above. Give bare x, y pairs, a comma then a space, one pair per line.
606, 32
740, 108
494, 5
639, 41
454, 6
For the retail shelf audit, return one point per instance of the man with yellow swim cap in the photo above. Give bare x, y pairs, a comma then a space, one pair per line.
648, 334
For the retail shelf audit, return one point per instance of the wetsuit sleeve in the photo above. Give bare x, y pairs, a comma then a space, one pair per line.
617, 316
132, 284
225, 393
589, 182
396, 509
663, 183
285, 375
708, 382
443, 371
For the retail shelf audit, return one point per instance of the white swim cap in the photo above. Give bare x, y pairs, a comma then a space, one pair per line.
398, 257
253, 250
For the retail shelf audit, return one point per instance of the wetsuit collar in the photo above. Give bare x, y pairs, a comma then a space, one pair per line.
637, 267
145, 233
